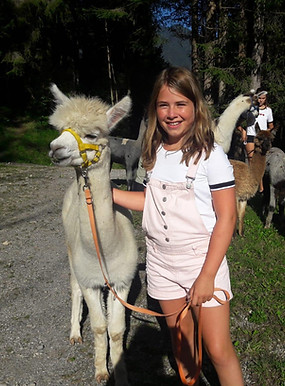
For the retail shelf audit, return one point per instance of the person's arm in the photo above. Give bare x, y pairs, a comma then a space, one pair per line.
129, 200
225, 208
270, 126
243, 133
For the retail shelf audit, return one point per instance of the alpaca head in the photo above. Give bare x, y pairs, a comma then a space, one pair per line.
90, 119
262, 141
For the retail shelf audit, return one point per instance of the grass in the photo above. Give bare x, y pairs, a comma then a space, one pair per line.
26, 141
257, 274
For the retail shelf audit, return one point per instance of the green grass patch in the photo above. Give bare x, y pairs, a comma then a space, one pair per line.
26, 142
257, 275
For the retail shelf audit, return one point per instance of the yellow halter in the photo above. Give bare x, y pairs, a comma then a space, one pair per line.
83, 147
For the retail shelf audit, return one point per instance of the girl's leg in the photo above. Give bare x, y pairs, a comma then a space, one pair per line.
188, 354
218, 344
249, 147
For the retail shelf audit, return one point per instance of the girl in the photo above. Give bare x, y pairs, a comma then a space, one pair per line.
189, 216
264, 120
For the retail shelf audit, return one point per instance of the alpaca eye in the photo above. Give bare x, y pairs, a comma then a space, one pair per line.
91, 136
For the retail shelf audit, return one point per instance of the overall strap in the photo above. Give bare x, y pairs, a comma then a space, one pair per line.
192, 170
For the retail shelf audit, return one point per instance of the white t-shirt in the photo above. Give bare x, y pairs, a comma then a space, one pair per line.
215, 173
264, 117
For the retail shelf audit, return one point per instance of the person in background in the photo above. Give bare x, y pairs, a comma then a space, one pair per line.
189, 215
264, 121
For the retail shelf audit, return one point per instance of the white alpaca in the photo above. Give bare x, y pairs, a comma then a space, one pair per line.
225, 125
92, 120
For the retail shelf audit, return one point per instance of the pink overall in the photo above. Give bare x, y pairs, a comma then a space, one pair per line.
177, 240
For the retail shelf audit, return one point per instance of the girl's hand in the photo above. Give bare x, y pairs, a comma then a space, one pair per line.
202, 290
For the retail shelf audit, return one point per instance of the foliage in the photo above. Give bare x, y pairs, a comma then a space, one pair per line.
66, 42
236, 46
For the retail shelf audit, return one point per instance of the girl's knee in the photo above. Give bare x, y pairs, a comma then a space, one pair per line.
219, 353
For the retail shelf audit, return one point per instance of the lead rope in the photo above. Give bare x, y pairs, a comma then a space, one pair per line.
181, 312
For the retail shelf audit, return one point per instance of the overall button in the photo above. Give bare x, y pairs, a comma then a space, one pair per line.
163, 213
165, 226
164, 199
167, 239
163, 186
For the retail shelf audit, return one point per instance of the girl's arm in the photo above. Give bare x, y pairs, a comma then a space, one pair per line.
225, 208
129, 200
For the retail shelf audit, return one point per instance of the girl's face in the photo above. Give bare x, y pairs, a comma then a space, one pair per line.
262, 100
175, 115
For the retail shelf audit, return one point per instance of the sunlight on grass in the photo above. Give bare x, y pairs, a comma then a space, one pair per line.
257, 273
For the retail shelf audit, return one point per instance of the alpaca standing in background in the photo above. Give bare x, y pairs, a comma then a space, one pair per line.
86, 123
127, 152
223, 128
274, 185
247, 177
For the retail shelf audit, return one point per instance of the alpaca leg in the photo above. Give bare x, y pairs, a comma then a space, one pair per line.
76, 309
281, 204
94, 300
238, 212
116, 329
129, 175
271, 207
241, 213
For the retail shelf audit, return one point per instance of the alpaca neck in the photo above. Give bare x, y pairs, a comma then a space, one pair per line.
141, 133
231, 114
99, 182
257, 166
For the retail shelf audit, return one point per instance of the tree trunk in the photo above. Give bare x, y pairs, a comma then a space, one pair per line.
258, 47
210, 41
195, 37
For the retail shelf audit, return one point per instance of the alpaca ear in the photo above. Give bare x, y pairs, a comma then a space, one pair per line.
118, 112
59, 97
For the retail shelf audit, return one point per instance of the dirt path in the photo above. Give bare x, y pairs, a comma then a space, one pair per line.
35, 295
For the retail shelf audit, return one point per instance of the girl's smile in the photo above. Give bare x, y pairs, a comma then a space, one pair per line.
175, 115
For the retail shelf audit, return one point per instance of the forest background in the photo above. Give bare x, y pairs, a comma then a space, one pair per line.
113, 47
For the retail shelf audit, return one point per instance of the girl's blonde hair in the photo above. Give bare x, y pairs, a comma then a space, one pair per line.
199, 137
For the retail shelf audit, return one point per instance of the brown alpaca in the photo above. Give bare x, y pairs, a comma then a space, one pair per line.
248, 177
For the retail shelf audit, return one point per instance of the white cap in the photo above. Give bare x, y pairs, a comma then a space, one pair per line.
261, 93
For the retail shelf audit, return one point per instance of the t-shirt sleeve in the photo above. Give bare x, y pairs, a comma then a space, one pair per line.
219, 170
270, 116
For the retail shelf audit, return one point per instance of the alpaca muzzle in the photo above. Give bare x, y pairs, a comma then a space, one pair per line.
84, 147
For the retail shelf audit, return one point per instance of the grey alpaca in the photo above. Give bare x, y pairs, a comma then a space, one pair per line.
274, 184
127, 152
